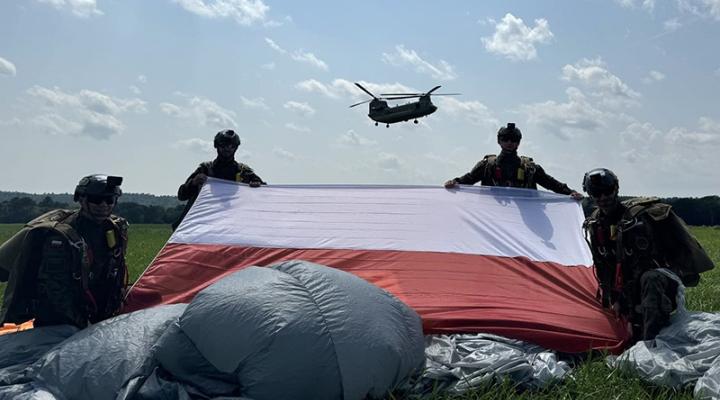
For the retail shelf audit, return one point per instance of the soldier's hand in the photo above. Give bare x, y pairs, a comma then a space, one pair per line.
576, 196
451, 184
616, 308
199, 179
254, 184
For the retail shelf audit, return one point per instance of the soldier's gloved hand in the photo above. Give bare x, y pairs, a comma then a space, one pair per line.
451, 184
254, 184
199, 179
576, 196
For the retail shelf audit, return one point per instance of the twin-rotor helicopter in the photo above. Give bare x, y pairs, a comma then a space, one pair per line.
380, 112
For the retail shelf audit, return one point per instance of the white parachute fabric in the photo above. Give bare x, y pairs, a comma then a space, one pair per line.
685, 352
458, 363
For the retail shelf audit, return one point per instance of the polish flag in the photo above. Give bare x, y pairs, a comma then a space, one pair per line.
511, 262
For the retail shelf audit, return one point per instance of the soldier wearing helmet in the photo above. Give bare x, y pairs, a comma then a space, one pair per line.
509, 169
642, 252
68, 267
224, 166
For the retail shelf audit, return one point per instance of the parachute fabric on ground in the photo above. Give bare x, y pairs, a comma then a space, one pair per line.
301, 330
458, 363
686, 351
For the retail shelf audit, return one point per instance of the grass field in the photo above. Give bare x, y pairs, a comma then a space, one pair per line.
590, 380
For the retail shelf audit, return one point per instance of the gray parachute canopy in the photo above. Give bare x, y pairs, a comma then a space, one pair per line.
293, 330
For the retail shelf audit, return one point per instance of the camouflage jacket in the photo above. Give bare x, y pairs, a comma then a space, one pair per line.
642, 234
61, 272
513, 171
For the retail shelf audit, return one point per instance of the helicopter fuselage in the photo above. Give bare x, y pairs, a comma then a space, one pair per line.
381, 112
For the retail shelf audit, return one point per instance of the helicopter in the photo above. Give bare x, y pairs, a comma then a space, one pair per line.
380, 112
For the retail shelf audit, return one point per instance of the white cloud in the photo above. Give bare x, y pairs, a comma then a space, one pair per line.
593, 75
269, 66
80, 8
353, 139
515, 40
404, 56
7, 68
87, 112
654, 76
703, 8
389, 162
309, 58
195, 145
13, 122
254, 103
285, 154
275, 46
707, 134
475, 112
299, 55
142, 78
301, 108
648, 5
343, 88
672, 25
136, 90
566, 120
244, 12
201, 111
297, 128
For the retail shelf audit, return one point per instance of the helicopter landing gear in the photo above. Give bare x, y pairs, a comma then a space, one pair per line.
376, 124
387, 126
415, 121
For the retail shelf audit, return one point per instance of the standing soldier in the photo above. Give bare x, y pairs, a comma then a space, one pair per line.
223, 167
509, 169
637, 247
68, 267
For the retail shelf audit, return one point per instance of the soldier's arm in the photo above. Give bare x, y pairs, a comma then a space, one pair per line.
58, 293
250, 177
475, 175
189, 190
550, 183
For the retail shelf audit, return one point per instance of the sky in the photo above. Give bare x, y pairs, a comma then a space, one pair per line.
138, 88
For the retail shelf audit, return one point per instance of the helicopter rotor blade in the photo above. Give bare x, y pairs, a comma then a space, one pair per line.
447, 94
402, 94
365, 90
433, 89
411, 96
362, 102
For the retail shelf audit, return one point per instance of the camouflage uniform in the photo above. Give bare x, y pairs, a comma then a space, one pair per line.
628, 246
514, 171
68, 270
227, 170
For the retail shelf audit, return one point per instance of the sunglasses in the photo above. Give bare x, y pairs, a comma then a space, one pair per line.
100, 199
599, 192
510, 138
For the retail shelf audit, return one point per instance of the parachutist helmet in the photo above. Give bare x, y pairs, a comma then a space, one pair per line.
98, 185
225, 137
510, 132
600, 181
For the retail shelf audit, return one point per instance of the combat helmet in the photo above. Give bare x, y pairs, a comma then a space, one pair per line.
227, 136
599, 181
510, 131
98, 185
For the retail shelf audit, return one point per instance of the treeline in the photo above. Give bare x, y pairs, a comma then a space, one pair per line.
695, 211
23, 209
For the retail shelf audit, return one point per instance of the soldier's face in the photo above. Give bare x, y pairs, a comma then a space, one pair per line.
508, 143
227, 151
606, 201
97, 207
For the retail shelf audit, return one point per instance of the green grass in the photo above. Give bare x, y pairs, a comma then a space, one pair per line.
591, 379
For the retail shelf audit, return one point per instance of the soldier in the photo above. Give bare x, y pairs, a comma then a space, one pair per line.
509, 169
223, 167
68, 267
635, 245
